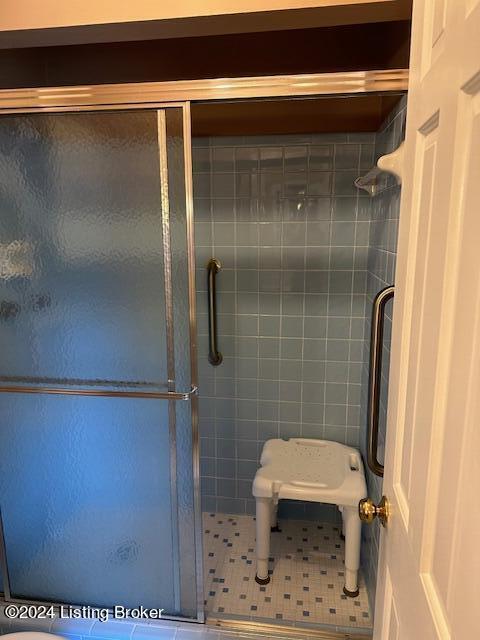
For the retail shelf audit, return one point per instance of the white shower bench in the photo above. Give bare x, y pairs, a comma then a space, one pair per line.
314, 471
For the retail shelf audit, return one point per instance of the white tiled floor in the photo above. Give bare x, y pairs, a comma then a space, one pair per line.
307, 559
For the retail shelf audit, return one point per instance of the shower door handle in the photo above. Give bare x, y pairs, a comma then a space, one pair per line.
101, 393
375, 375
214, 356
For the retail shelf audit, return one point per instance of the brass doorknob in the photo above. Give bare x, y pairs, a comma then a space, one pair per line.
368, 510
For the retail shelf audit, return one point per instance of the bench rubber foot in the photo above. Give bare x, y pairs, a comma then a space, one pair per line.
351, 594
262, 580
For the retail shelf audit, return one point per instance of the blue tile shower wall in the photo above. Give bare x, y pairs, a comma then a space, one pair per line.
282, 215
385, 207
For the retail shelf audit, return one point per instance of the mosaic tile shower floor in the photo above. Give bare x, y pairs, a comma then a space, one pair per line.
307, 559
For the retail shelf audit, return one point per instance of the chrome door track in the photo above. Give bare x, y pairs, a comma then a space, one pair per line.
251, 629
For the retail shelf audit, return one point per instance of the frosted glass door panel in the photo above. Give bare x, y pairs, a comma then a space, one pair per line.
86, 504
82, 289
97, 494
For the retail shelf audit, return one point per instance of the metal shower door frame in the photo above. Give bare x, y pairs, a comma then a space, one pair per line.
179, 93
172, 395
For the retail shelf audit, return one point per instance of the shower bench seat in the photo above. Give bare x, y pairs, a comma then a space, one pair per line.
314, 471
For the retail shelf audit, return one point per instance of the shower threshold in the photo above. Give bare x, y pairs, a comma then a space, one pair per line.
251, 629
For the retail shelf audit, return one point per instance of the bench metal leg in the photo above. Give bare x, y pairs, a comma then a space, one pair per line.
353, 531
274, 516
342, 535
263, 523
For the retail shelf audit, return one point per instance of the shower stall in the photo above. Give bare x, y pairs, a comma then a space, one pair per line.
299, 254
121, 466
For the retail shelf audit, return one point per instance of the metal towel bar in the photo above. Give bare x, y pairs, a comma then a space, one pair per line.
375, 375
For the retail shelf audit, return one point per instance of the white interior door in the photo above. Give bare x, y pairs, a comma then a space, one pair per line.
429, 577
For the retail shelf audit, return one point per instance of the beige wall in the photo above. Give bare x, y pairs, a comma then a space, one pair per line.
35, 14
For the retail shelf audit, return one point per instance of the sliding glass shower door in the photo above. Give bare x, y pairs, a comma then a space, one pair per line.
97, 410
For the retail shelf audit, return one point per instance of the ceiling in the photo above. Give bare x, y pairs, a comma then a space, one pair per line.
28, 23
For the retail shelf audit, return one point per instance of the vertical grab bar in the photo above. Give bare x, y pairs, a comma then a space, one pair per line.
214, 356
375, 375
